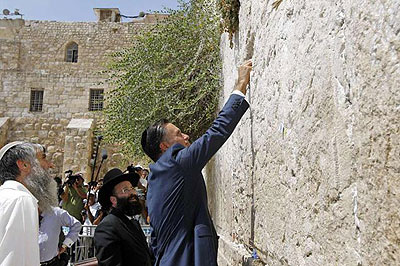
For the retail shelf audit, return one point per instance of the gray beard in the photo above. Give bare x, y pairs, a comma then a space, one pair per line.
43, 187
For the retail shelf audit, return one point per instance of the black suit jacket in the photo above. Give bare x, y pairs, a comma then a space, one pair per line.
121, 242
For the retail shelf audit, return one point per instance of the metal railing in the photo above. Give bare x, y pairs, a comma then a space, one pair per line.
83, 250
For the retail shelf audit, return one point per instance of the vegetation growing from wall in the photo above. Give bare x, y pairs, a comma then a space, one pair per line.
230, 14
171, 71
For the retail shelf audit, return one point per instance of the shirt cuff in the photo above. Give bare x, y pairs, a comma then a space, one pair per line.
238, 92
68, 242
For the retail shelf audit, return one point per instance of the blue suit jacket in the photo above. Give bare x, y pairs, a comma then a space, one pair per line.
183, 232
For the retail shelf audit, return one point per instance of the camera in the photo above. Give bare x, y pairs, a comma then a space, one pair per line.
72, 179
133, 169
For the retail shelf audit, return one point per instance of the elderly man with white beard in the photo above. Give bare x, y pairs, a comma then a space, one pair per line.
26, 186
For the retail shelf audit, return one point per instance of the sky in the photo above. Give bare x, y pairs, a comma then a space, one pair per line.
80, 10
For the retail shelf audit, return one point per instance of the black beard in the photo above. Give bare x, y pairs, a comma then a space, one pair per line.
129, 208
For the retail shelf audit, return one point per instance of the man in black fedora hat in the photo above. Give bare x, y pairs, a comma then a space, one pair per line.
119, 239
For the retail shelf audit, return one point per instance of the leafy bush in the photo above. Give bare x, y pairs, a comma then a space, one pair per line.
172, 70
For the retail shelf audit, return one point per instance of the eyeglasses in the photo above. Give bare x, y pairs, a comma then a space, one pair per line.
127, 189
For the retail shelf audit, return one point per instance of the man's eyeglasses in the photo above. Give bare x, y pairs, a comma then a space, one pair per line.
127, 189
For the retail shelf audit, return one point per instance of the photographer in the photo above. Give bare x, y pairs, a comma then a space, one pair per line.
73, 195
141, 192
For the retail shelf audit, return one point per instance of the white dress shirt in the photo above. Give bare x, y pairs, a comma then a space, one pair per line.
19, 226
49, 232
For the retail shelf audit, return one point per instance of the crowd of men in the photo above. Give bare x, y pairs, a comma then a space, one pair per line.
34, 207
182, 229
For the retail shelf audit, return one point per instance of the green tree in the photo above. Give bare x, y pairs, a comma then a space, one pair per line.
172, 70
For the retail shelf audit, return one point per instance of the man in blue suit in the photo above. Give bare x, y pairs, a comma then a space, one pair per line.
183, 232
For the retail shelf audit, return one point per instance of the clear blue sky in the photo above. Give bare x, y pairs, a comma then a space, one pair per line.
80, 10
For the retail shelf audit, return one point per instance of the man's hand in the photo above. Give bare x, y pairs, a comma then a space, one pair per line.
62, 249
79, 190
75, 185
243, 76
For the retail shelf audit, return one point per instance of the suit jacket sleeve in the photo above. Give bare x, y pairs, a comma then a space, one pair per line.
108, 250
196, 156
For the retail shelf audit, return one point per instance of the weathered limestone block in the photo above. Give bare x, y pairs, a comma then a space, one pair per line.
51, 149
80, 146
45, 126
57, 158
19, 134
35, 140
42, 134
29, 127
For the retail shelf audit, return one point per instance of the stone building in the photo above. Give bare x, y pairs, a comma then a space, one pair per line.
311, 175
51, 83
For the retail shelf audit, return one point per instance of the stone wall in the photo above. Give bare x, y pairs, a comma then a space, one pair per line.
48, 132
311, 175
32, 56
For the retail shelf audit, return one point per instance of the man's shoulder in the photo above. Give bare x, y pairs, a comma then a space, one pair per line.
169, 154
14, 194
109, 220
109, 226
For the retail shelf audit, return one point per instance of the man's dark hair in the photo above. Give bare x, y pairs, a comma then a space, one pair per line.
152, 137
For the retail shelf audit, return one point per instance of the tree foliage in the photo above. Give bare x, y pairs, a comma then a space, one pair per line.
172, 70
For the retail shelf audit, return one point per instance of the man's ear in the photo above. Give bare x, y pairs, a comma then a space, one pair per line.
164, 146
113, 200
23, 166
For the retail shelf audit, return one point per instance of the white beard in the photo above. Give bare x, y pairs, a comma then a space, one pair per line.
43, 187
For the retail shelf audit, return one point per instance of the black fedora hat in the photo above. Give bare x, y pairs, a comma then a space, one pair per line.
110, 180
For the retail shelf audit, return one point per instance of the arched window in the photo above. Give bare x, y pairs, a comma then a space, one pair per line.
72, 53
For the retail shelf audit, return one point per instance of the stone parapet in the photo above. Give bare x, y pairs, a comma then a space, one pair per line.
78, 146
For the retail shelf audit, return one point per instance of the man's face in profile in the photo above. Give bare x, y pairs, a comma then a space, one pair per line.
44, 163
174, 135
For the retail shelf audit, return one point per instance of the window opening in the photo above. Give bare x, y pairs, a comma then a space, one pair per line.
36, 104
96, 100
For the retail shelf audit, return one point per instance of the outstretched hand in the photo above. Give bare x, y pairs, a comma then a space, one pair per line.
243, 76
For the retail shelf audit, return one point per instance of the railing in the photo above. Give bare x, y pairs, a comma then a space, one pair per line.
83, 251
